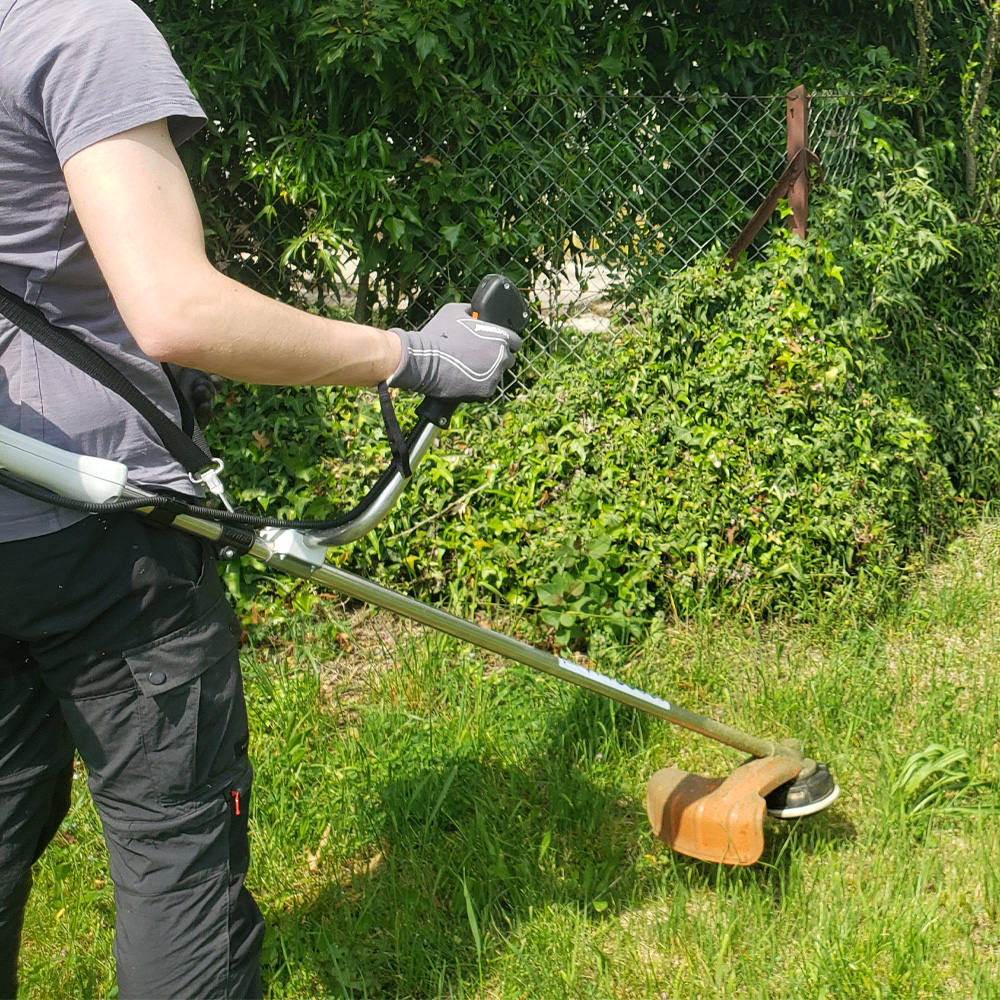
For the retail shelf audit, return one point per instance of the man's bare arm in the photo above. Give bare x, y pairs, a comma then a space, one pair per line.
137, 209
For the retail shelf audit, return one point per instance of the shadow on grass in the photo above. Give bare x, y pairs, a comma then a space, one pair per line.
473, 847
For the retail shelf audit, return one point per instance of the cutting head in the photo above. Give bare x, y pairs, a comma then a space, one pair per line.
809, 792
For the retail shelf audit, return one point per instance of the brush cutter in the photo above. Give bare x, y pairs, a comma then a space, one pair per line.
714, 819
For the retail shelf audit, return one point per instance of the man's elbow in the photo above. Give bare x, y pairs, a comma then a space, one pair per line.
163, 338
173, 326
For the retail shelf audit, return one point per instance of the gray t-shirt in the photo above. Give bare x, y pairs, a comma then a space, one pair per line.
73, 72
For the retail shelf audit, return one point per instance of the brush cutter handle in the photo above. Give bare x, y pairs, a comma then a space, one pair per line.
496, 300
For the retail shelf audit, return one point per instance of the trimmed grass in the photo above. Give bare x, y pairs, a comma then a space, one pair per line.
429, 821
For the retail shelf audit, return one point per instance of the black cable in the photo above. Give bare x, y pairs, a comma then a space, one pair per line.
90, 507
182, 506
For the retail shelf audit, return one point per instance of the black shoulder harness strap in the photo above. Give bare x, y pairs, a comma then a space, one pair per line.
82, 356
177, 440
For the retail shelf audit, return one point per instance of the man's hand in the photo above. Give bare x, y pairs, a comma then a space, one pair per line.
455, 356
199, 389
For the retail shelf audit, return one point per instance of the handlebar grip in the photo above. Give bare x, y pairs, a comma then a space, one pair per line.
496, 300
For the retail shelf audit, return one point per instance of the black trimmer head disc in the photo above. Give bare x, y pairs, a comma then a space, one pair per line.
803, 796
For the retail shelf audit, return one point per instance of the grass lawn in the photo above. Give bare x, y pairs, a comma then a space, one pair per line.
429, 821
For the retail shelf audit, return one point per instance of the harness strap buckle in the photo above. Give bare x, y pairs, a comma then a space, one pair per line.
210, 479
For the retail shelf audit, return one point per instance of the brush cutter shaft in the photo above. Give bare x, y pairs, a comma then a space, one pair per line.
290, 552
513, 649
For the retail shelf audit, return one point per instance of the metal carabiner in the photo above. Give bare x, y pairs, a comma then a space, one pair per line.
210, 479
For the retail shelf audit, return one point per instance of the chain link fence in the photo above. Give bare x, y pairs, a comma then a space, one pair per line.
633, 189
602, 197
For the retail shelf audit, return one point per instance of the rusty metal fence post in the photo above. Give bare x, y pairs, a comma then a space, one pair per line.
793, 184
797, 122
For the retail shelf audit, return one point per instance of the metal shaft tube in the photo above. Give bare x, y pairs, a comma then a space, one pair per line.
291, 552
514, 649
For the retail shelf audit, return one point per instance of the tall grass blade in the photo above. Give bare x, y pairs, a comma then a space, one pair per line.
470, 910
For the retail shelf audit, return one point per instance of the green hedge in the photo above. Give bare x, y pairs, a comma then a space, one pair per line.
409, 137
806, 427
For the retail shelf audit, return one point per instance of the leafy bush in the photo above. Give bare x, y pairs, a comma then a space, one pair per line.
344, 133
804, 427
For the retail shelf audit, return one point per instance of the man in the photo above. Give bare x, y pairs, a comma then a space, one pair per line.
116, 640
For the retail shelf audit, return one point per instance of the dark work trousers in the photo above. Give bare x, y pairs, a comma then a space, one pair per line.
116, 640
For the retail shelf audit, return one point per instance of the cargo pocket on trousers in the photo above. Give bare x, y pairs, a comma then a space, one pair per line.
191, 707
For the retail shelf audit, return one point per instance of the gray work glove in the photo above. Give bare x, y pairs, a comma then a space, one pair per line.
199, 389
455, 356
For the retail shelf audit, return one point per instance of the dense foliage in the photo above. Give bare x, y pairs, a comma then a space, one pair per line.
807, 425
349, 136
337, 129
